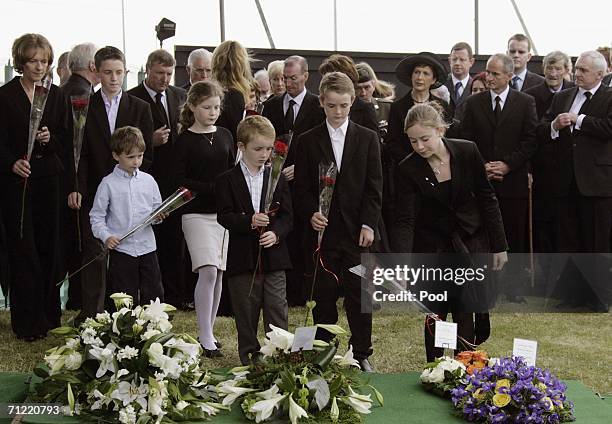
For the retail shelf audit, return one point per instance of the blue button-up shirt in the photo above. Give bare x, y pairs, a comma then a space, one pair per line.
112, 109
122, 202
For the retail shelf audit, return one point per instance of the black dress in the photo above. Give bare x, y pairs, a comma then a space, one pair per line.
34, 259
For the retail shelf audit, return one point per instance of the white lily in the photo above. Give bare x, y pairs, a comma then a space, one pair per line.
268, 394
103, 317
182, 405
117, 315
348, 359
360, 403
191, 350
157, 395
450, 364
101, 400
55, 360
334, 412
128, 352
263, 409
150, 333
231, 391
90, 337
295, 411
117, 376
106, 357
277, 338
169, 366
122, 300
128, 392
433, 375
73, 343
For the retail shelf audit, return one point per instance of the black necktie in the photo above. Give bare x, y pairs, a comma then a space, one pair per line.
289, 116
162, 109
585, 105
497, 111
457, 88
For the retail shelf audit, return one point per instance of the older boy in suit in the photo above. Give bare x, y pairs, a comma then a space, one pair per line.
349, 230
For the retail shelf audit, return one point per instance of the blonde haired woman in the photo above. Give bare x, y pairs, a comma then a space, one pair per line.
231, 68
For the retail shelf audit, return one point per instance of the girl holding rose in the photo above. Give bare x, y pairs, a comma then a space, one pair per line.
34, 257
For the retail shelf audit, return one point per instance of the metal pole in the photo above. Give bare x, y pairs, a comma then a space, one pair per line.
335, 25
476, 24
222, 19
265, 23
518, 14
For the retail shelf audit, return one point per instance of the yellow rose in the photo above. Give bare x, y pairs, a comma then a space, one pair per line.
504, 382
541, 386
478, 394
501, 400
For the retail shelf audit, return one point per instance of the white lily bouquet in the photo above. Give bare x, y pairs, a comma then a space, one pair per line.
306, 385
128, 367
443, 375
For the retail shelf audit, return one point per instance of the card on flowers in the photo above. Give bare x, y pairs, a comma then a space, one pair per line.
445, 335
526, 349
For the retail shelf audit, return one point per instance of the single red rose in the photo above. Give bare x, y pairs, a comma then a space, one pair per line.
280, 147
40, 90
328, 181
79, 103
187, 195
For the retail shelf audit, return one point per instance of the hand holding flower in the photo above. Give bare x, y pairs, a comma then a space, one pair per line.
268, 239
21, 167
43, 136
288, 173
318, 221
112, 242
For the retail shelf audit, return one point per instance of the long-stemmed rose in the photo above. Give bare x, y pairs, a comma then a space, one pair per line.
80, 105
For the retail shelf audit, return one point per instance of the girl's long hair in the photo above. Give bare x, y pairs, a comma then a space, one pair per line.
198, 92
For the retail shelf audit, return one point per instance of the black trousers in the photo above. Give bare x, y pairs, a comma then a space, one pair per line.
327, 290
171, 255
514, 213
137, 276
34, 259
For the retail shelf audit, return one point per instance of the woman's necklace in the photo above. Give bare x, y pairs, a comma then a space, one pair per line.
436, 168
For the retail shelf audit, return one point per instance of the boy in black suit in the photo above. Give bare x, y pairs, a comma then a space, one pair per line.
355, 207
240, 194
109, 108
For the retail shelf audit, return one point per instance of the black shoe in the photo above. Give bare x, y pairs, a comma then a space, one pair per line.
218, 344
600, 307
213, 353
365, 365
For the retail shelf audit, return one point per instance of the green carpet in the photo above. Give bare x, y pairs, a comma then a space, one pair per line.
405, 402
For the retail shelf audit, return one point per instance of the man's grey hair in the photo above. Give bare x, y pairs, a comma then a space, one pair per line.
81, 56
298, 60
557, 57
597, 59
505, 60
261, 74
198, 54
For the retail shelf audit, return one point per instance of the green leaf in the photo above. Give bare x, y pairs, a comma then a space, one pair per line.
321, 388
379, 396
69, 378
70, 398
64, 331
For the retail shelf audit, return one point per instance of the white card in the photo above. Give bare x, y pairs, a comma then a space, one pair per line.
526, 349
303, 338
445, 335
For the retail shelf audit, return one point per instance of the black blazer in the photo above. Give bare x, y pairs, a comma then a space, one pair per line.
531, 80
96, 157
607, 80
543, 96
364, 114
14, 129
234, 212
473, 210
232, 111
512, 140
357, 194
457, 105
309, 116
585, 155
164, 154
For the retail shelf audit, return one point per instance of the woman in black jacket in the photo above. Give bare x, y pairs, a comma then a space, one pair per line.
447, 207
35, 253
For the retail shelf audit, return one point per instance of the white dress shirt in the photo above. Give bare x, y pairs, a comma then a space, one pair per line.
122, 202
575, 108
254, 183
463, 82
337, 137
112, 109
503, 96
298, 103
521, 79
164, 98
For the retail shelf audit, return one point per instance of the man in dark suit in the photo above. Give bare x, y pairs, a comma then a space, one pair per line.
109, 108
556, 67
297, 111
579, 126
198, 67
503, 123
81, 82
519, 49
166, 102
459, 81
349, 230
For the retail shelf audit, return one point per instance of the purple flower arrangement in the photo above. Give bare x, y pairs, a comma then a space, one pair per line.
510, 391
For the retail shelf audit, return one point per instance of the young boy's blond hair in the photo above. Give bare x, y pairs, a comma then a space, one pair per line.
127, 139
336, 82
254, 126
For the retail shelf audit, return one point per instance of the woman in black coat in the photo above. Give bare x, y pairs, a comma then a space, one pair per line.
447, 207
34, 258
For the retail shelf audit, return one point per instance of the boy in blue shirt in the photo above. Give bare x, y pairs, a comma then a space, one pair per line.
124, 199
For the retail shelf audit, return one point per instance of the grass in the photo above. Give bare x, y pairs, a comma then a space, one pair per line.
573, 346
